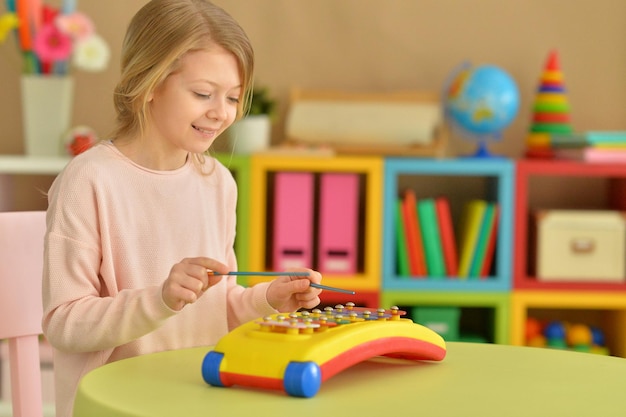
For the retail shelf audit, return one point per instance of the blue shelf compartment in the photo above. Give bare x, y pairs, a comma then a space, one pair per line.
499, 172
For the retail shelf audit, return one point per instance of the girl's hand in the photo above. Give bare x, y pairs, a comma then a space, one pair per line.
188, 280
289, 293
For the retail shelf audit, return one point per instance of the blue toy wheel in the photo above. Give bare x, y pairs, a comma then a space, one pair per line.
302, 379
211, 368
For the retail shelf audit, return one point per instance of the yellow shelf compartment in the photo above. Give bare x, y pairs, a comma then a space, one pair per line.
606, 310
262, 166
497, 303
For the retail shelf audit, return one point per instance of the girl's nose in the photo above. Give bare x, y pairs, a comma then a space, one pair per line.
218, 110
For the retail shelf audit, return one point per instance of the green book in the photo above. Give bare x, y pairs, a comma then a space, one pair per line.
433, 251
402, 255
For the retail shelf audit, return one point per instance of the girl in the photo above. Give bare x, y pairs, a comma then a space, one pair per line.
135, 223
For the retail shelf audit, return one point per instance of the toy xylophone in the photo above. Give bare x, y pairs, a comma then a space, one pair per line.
297, 352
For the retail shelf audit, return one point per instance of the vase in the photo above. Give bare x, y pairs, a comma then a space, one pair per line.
251, 134
46, 113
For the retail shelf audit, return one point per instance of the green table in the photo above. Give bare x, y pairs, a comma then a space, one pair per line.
473, 380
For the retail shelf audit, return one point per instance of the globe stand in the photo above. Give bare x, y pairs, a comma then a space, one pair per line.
482, 151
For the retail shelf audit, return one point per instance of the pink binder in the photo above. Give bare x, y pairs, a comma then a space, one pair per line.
338, 223
293, 220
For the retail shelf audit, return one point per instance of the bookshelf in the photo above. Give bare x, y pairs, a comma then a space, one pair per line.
503, 300
562, 185
460, 180
490, 310
565, 185
32, 165
376, 281
601, 309
265, 167
14, 168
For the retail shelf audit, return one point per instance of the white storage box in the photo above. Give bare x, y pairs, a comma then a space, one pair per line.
581, 245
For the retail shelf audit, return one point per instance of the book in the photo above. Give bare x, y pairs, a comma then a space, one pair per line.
433, 252
491, 245
604, 155
413, 233
610, 146
401, 245
572, 154
482, 241
607, 136
448, 238
571, 140
473, 213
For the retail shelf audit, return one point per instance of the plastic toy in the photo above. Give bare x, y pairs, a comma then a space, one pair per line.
533, 328
558, 334
551, 111
597, 336
79, 139
297, 352
555, 330
579, 335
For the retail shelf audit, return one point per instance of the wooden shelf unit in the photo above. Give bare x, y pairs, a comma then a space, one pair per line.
588, 186
239, 166
460, 180
494, 182
371, 171
603, 309
15, 168
496, 329
565, 185
511, 295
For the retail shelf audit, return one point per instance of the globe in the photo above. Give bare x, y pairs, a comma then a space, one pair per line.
481, 102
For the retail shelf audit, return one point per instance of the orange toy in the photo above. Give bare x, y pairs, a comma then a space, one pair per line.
533, 328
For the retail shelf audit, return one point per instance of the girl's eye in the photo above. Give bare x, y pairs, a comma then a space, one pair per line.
200, 95
234, 100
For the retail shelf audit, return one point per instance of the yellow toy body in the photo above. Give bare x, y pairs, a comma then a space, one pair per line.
297, 352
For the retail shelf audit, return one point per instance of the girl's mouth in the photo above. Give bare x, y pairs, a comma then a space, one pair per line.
204, 131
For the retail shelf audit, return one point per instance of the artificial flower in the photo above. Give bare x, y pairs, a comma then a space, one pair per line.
51, 44
76, 25
8, 22
50, 39
91, 54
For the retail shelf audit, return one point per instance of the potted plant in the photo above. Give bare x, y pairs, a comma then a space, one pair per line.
253, 132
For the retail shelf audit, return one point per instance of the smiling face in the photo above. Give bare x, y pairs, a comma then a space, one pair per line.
195, 103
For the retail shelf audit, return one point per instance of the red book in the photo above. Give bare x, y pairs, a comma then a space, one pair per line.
491, 245
448, 239
415, 246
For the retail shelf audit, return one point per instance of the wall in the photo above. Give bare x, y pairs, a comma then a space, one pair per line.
373, 45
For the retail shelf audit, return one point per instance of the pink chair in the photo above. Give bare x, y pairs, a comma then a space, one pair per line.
21, 265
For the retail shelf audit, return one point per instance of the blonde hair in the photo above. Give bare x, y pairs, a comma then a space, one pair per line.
158, 36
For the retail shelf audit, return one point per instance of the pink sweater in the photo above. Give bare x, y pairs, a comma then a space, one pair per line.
114, 231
